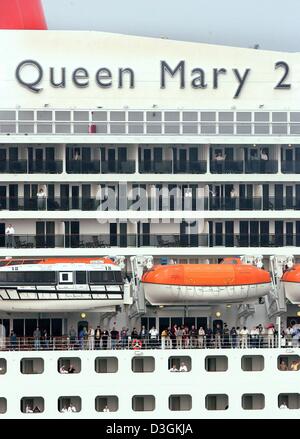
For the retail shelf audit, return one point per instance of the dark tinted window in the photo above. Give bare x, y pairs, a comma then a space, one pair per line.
28, 277
102, 277
81, 277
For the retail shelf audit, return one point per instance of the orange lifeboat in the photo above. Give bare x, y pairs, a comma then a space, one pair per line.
291, 282
228, 282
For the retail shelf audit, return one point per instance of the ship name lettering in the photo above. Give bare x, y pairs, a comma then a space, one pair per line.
181, 429
123, 429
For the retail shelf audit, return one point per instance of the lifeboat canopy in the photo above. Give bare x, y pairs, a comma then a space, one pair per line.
291, 282
229, 282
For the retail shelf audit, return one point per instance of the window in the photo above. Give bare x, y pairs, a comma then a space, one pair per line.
143, 403
180, 402
216, 364
216, 402
80, 277
106, 403
69, 365
252, 363
27, 277
289, 400
32, 404
71, 404
104, 277
255, 401
180, 362
288, 363
3, 405
32, 366
144, 364
3, 366
106, 365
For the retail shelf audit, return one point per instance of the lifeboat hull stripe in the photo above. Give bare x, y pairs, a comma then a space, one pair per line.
205, 285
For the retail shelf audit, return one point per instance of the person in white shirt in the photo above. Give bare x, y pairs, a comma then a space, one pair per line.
28, 409
41, 199
270, 333
9, 232
283, 405
244, 337
62, 369
64, 409
183, 367
174, 368
72, 408
91, 339
106, 409
153, 336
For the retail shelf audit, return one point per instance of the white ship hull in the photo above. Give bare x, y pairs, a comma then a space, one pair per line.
178, 294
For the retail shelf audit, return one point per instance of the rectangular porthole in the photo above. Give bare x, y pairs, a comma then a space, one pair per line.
289, 401
253, 401
180, 363
143, 365
252, 363
143, 403
69, 365
31, 366
218, 363
69, 404
106, 403
180, 402
106, 365
32, 404
216, 402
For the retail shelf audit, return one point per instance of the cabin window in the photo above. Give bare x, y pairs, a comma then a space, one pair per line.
143, 403
32, 404
70, 404
181, 363
180, 402
3, 405
288, 363
254, 401
253, 363
289, 401
216, 402
31, 366
67, 365
106, 365
142, 365
106, 403
3, 366
218, 363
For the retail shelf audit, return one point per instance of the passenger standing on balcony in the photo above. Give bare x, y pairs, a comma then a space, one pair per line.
264, 158
233, 196
91, 338
124, 338
13, 340
193, 337
164, 335
201, 337
97, 337
153, 336
45, 339
104, 337
226, 336
114, 336
218, 336
209, 338
244, 337
41, 199
179, 334
37, 338
271, 331
220, 160
144, 335
72, 337
9, 232
233, 337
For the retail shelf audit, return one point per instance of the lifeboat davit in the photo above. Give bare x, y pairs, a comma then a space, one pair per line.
228, 282
291, 282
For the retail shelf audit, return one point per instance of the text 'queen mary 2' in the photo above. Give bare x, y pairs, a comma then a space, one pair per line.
150, 199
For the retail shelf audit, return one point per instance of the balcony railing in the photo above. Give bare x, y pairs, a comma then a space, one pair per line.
45, 167
13, 167
158, 204
152, 167
243, 167
83, 167
162, 240
290, 167
190, 167
117, 167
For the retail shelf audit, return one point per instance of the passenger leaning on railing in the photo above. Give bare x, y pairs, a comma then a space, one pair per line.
201, 337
